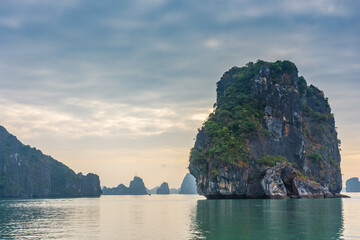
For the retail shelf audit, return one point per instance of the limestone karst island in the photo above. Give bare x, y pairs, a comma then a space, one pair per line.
270, 136
25, 172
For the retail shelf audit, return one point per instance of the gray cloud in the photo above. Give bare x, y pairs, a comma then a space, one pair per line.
130, 76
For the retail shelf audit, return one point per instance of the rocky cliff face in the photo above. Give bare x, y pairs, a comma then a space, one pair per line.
136, 187
26, 172
163, 189
270, 136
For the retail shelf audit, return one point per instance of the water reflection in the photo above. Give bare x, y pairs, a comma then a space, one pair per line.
178, 217
268, 219
108, 217
49, 218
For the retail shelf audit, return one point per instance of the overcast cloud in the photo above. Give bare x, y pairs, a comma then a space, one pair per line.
119, 88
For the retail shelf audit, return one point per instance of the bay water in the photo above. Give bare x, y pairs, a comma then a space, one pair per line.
179, 217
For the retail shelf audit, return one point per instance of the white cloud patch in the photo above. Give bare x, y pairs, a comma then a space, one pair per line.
201, 116
212, 43
96, 118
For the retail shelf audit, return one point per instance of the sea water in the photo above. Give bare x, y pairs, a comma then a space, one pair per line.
179, 217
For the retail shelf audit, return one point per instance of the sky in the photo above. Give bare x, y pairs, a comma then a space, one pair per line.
119, 88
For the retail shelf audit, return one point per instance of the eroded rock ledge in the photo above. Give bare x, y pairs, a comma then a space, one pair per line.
278, 182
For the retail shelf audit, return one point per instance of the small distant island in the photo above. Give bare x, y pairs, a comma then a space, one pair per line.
270, 136
26, 172
163, 189
353, 185
188, 185
136, 187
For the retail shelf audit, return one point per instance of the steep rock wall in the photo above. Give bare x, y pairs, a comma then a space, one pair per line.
27, 172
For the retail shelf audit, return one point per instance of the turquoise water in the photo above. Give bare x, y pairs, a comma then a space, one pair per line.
179, 217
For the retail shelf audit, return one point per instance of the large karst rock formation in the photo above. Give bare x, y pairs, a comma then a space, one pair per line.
270, 136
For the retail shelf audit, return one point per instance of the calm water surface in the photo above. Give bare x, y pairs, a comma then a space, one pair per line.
179, 217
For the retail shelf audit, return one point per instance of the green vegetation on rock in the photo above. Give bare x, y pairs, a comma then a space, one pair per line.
302, 85
315, 157
270, 160
235, 118
238, 114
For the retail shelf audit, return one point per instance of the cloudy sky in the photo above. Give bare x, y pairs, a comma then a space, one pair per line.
119, 88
